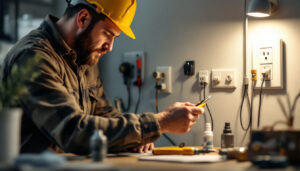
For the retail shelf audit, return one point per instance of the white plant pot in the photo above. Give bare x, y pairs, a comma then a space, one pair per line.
10, 122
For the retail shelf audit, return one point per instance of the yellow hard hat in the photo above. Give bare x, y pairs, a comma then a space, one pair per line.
120, 12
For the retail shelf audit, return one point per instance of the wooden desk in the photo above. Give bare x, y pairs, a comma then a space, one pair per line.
126, 163
132, 163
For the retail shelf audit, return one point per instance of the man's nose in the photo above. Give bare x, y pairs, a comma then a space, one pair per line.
109, 45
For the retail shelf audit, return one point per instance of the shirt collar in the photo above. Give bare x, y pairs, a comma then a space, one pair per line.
57, 41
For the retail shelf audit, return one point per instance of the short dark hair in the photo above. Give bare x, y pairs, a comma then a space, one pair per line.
72, 10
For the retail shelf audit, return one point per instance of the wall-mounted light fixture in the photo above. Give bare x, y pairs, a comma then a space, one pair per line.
255, 8
262, 8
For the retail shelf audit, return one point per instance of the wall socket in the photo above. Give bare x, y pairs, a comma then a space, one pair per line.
268, 55
223, 78
203, 77
132, 57
166, 79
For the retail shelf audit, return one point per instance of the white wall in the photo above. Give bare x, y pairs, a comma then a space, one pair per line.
210, 33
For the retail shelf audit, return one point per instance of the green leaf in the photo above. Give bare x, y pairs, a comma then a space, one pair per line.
14, 87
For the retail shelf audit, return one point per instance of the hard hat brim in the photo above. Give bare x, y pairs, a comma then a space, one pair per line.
125, 29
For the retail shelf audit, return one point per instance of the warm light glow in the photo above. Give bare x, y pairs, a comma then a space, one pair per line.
258, 14
242, 149
266, 33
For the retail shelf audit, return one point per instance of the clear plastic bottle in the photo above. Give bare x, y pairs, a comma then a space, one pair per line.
227, 138
98, 144
208, 138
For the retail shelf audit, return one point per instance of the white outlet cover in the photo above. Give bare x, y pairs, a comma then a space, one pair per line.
167, 70
268, 54
204, 76
226, 78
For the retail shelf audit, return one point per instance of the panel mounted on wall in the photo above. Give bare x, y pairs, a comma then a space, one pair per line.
267, 55
223, 78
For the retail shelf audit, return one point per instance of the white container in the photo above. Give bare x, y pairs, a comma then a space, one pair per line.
10, 122
208, 138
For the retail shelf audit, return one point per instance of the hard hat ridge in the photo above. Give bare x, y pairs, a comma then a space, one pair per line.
120, 12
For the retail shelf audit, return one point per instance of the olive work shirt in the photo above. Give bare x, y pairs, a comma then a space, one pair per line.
66, 102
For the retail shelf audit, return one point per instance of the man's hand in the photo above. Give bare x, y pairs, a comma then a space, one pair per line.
144, 148
179, 117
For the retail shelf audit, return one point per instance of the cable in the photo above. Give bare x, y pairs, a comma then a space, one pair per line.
138, 101
210, 115
251, 104
125, 109
157, 111
156, 96
259, 107
245, 94
241, 109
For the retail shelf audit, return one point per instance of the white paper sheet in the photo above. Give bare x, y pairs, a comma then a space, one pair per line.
202, 158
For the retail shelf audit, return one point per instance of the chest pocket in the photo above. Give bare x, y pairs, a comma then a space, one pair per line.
75, 95
93, 97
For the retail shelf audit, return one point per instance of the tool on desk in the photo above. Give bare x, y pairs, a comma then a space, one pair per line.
188, 150
176, 150
203, 102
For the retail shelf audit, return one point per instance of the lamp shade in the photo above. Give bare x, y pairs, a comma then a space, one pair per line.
261, 8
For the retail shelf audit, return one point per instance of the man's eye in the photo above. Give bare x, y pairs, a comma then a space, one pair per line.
107, 34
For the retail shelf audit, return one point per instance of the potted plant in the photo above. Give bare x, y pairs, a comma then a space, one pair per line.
11, 89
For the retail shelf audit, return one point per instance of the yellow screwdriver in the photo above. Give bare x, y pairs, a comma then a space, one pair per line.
202, 102
176, 150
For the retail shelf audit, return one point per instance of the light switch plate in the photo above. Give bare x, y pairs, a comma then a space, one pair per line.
223, 78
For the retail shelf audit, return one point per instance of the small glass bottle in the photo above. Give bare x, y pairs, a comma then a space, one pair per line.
227, 138
98, 143
208, 138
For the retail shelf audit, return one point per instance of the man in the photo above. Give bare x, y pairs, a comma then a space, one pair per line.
66, 103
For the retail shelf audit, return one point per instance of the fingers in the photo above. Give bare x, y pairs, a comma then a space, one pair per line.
141, 149
188, 104
145, 148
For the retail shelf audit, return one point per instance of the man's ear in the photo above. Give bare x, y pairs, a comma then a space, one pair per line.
83, 19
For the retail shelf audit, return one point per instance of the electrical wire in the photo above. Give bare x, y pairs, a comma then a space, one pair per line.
138, 101
245, 94
210, 115
251, 111
251, 104
200, 97
156, 96
157, 111
259, 107
125, 109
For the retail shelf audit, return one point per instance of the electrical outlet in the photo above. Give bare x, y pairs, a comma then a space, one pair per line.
166, 80
223, 78
266, 71
203, 77
267, 56
137, 59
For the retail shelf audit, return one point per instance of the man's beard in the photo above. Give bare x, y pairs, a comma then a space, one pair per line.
83, 49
